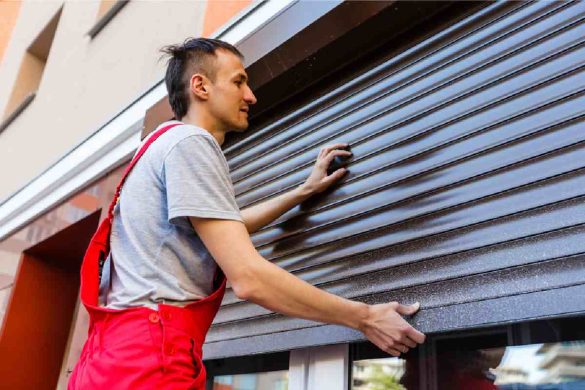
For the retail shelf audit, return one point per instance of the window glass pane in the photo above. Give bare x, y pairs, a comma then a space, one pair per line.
542, 366
537, 355
274, 380
378, 374
463, 368
527, 367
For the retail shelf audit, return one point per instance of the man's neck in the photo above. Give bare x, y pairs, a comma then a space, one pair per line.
206, 124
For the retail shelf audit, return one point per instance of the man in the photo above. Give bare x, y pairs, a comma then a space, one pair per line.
177, 220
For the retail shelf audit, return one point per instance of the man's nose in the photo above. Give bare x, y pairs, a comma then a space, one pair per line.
249, 97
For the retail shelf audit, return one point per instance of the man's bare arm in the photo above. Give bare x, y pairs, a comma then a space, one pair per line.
261, 214
255, 279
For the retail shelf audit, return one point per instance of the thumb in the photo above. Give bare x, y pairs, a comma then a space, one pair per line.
408, 310
338, 174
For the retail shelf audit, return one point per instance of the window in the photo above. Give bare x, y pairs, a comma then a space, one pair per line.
30, 72
372, 369
539, 355
273, 380
542, 364
265, 372
378, 374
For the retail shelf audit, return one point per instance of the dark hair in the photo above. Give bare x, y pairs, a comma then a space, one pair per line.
195, 55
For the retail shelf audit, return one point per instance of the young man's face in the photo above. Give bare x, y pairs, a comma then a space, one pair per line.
230, 95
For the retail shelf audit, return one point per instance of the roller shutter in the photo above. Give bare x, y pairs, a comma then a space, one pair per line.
466, 190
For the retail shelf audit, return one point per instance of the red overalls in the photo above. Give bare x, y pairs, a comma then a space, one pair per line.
140, 348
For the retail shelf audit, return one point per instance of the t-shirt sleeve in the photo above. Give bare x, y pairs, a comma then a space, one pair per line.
197, 181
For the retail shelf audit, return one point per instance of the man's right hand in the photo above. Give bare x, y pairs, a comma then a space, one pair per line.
385, 327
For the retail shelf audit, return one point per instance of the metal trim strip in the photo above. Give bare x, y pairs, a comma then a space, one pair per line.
552, 303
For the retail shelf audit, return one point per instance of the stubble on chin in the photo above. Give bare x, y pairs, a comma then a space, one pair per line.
242, 126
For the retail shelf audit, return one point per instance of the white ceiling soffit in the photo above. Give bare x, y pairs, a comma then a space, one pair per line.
117, 140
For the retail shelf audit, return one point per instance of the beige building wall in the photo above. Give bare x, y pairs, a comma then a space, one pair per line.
85, 81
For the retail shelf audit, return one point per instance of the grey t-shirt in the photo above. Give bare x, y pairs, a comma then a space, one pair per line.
157, 256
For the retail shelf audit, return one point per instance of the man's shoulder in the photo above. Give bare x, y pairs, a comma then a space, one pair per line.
172, 137
180, 132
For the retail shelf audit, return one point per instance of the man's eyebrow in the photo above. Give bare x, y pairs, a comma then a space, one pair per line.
241, 76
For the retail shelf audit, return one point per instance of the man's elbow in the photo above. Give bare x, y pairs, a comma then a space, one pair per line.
246, 284
250, 228
242, 291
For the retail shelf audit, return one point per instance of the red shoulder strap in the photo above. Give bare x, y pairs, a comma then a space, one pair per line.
152, 138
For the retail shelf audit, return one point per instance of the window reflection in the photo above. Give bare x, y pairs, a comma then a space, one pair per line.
275, 380
549, 366
470, 364
553, 366
468, 369
378, 374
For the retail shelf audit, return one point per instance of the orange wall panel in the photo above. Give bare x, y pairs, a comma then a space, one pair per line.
8, 15
27, 81
105, 6
219, 12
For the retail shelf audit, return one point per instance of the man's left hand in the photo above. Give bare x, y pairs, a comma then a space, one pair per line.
318, 181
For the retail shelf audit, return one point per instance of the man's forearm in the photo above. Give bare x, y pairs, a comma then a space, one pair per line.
256, 279
318, 181
282, 292
263, 213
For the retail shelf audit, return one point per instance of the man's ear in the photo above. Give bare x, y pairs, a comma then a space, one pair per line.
199, 85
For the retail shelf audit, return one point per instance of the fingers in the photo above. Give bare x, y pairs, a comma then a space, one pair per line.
389, 331
408, 310
408, 341
393, 344
326, 160
411, 333
393, 352
338, 174
415, 335
326, 149
392, 347
396, 349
